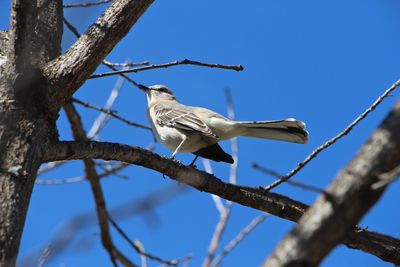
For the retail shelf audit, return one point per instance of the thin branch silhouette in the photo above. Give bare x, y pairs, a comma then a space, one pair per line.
167, 65
334, 139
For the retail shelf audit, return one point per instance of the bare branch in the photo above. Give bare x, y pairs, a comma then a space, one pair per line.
103, 118
111, 113
167, 65
65, 235
91, 173
126, 65
217, 200
22, 36
70, 70
78, 179
143, 258
219, 230
224, 211
272, 203
50, 166
137, 248
348, 198
87, 4
334, 139
234, 242
290, 182
104, 62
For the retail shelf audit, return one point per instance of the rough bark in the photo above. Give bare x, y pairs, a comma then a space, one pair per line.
68, 72
385, 247
25, 125
349, 197
35, 82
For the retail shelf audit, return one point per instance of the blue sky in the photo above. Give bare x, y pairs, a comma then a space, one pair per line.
318, 61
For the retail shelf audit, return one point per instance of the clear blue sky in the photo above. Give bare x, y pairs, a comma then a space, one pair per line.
318, 61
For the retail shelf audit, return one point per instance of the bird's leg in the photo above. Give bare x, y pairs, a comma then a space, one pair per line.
194, 160
177, 148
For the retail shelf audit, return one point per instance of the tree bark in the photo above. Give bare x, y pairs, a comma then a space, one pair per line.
26, 127
35, 82
385, 247
348, 198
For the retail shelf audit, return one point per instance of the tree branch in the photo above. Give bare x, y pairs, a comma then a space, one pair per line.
104, 62
335, 138
167, 65
111, 113
275, 204
87, 4
22, 34
348, 198
94, 179
234, 242
3, 48
69, 71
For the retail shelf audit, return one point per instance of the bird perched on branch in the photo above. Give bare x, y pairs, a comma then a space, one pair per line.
198, 130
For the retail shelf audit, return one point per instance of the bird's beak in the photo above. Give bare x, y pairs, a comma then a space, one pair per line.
144, 88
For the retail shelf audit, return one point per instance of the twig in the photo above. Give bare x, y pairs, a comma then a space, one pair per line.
170, 64
143, 258
62, 239
290, 182
234, 144
217, 200
87, 4
45, 255
334, 139
234, 242
51, 166
106, 63
219, 230
78, 179
103, 118
111, 113
132, 64
137, 248
91, 173
224, 211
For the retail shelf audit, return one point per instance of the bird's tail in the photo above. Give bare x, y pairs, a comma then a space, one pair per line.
289, 130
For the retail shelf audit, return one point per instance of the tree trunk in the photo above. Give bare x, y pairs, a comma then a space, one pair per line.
26, 125
23, 137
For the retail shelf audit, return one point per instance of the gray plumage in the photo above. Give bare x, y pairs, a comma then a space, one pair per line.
197, 130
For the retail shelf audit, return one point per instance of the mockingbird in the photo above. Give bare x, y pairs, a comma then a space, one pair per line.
198, 130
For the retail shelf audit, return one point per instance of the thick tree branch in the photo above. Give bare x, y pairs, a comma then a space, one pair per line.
3, 48
275, 204
33, 24
22, 34
105, 62
69, 71
348, 198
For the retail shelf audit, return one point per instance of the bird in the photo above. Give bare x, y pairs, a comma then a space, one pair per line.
197, 130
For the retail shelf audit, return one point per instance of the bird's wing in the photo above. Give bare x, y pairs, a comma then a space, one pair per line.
181, 117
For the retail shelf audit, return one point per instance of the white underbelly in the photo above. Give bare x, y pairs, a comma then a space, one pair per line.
172, 138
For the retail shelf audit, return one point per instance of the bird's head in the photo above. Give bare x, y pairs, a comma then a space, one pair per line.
157, 92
